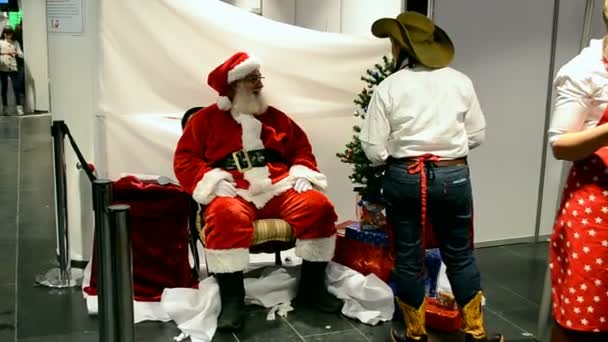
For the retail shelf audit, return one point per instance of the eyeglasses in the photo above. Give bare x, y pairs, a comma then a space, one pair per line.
253, 79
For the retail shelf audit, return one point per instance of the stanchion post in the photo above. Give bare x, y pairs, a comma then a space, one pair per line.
119, 217
104, 245
63, 276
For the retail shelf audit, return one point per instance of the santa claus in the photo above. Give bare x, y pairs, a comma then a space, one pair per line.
244, 160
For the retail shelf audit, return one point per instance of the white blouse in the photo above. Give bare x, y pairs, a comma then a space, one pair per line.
419, 110
581, 87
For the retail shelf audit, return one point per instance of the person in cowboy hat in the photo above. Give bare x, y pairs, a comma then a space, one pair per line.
422, 121
244, 160
579, 243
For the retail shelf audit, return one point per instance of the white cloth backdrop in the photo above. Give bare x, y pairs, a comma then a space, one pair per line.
155, 57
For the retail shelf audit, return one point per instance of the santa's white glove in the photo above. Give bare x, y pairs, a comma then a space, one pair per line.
225, 189
302, 185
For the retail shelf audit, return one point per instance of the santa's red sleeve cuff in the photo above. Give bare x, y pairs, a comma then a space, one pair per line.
317, 179
204, 192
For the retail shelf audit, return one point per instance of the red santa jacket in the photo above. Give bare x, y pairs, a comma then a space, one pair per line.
212, 135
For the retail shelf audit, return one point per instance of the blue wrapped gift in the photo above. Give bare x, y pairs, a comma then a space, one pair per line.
376, 237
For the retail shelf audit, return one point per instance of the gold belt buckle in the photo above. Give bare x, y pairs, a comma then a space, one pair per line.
242, 156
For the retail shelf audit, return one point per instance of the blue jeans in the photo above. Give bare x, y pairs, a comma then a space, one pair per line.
449, 207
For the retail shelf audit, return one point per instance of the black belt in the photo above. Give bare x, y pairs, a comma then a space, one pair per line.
244, 160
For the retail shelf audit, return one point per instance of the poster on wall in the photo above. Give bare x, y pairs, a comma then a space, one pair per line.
65, 16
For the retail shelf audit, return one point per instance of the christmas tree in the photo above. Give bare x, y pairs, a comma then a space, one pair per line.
366, 177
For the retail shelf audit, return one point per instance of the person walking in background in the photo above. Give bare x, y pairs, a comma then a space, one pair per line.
10, 50
20, 60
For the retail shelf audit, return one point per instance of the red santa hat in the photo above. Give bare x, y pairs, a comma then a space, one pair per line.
233, 69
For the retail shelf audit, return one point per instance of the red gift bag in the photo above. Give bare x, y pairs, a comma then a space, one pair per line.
158, 224
441, 318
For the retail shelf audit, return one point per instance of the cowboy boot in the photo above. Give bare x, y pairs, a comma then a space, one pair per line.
312, 291
415, 329
472, 322
232, 296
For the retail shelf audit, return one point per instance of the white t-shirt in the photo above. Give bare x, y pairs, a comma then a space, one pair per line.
419, 110
581, 92
9, 62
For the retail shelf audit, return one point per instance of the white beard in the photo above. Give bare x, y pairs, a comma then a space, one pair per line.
247, 102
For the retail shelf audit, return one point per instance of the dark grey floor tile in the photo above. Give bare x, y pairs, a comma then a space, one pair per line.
351, 336
520, 274
155, 331
7, 300
35, 257
7, 335
534, 251
8, 258
88, 336
379, 332
9, 128
224, 337
496, 323
47, 313
523, 318
42, 311
7, 312
500, 297
257, 328
309, 322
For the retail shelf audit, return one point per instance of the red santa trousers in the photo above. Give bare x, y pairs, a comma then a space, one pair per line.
229, 232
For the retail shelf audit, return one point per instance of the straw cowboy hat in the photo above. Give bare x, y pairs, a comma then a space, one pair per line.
419, 37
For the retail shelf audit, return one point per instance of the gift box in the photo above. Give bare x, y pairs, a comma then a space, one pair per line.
372, 214
376, 237
441, 318
364, 257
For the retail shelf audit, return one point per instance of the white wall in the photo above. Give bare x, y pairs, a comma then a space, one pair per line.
598, 28
509, 68
35, 55
283, 11
320, 15
359, 15
72, 70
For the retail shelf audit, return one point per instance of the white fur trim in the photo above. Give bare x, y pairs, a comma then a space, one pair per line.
243, 69
252, 131
321, 249
227, 260
317, 179
261, 190
224, 103
260, 200
204, 191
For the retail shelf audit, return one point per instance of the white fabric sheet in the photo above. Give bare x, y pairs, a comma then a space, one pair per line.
366, 299
158, 69
195, 311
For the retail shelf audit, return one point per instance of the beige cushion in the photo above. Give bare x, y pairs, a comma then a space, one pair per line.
265, 230
271, 230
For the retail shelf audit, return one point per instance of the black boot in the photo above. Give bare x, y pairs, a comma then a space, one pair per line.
232, 294
312, 292
399, 333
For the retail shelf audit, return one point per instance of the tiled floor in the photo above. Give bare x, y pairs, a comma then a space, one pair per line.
512, 275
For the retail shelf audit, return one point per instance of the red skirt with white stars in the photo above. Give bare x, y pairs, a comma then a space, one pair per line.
579, 248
